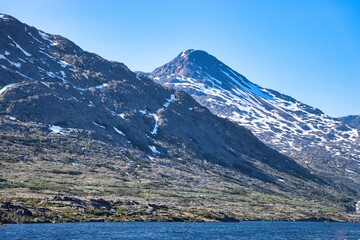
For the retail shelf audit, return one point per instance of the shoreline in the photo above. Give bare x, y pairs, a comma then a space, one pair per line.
240, 221
67, 209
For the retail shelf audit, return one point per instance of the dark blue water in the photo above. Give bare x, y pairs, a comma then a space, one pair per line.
131, 231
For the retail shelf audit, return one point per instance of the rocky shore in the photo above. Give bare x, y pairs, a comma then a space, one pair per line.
70, 209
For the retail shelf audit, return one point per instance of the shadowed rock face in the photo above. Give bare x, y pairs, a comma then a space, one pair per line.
47, 79
352, 121
319, 142
28, 53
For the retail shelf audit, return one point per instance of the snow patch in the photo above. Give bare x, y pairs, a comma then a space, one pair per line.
156, 118
99, 125
6, 87
54, 58
172, 99
293, 146
63, 64
50, 74
11, 118
118, 131
154, 150
35, 38
151, 158
46, 84
101, 86
63, 74
55, 129
23, 75
19, 47
18, 65
143, 111
80, 89
44, 36
248, 86
350, 171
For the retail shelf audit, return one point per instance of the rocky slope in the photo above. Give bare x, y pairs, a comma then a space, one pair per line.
352, 121
319, 142
70, 176
73, 123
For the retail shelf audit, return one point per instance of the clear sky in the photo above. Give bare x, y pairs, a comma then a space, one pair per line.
308, 49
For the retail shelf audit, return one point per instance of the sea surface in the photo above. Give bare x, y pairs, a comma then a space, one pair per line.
140, 230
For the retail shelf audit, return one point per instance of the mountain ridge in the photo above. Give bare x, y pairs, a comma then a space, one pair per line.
80, 125
282, 122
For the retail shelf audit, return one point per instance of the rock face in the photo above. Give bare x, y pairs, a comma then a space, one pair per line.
352, 121
48, 79
316, 140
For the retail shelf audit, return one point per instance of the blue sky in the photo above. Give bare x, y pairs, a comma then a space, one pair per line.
308, 49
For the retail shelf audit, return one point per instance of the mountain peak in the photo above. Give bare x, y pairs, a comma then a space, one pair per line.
6, 17
191, 61
204, 69
194, 53
199, 58
186, 53
7, 20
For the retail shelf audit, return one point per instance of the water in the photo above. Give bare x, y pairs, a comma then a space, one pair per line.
177, 231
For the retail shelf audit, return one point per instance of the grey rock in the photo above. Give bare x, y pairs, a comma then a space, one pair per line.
352, 121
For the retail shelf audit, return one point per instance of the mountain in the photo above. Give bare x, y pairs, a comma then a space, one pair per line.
84, 138
317, 141
56, 83
352, 121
